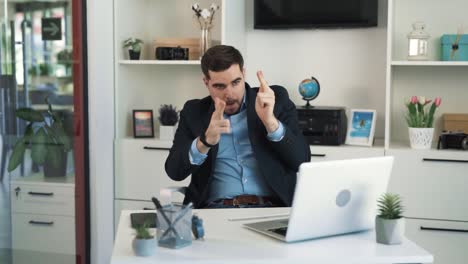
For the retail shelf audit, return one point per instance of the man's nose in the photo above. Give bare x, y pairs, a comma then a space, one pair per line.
228, 92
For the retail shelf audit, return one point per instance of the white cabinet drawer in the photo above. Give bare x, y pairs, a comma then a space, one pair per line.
447, 241
43, 233
140, 172
42, 199
433, 184
323, 153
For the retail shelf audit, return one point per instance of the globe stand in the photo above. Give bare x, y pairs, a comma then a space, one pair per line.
304, 86
308, 105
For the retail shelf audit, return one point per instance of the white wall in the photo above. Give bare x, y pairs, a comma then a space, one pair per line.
349, 63
101, 127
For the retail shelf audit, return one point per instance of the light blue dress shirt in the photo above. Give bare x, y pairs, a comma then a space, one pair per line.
236, 170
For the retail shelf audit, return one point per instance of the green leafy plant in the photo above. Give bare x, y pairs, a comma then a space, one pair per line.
390, 206
168, 115
142, 232
133, 44
43, 69
45, 135
65, 58
417, 115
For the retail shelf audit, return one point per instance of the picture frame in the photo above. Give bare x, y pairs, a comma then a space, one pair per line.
143, 123
361, 127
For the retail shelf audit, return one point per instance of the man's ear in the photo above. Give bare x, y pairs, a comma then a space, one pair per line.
205, 80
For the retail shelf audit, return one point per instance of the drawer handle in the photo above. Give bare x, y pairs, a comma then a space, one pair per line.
148, 208
445, 160
318, 155
41, 193
155, 148
32, 222
443, 229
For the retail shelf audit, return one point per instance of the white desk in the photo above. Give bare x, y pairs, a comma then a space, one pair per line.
229, 242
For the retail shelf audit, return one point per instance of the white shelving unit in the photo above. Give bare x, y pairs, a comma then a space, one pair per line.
430, 63
159, 62
429, 181
146, 87
428, 78
149, 83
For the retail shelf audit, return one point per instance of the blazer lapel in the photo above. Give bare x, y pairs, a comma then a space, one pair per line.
253, 122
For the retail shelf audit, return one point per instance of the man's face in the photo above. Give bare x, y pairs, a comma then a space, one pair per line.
229, 86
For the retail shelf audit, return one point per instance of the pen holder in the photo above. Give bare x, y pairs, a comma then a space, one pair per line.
174, 226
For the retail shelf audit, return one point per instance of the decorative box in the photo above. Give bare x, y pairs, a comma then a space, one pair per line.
456, 122
454, 47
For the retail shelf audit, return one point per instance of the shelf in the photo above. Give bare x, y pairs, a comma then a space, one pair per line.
159, 62
378, 144
39, 179
429, 63
150, 142
399, 145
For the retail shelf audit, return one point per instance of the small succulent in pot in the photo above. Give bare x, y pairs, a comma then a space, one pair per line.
144, 244
389, 223
168, 115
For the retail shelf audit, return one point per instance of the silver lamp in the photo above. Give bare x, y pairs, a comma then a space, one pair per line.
418, 42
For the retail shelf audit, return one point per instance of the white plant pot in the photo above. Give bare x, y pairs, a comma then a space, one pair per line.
167, 132
144, 247
421, 138
389, 232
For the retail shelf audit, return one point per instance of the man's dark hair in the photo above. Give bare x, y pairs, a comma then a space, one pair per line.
220, 58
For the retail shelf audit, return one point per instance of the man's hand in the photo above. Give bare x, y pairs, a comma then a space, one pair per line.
218, 125
265, 103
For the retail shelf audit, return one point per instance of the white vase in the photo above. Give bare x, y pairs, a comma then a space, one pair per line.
389, 231
144, 247
421, 138
167, 132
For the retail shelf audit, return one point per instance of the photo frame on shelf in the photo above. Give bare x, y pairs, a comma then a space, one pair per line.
361, 127
143, 124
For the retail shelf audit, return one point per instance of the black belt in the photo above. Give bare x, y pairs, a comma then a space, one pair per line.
250, 200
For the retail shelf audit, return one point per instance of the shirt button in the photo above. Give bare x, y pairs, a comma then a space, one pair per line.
245, 180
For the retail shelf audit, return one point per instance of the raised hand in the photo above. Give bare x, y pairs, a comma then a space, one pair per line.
218, 125
265, 103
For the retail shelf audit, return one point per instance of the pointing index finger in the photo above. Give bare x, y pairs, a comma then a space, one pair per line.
219, 108
263, 84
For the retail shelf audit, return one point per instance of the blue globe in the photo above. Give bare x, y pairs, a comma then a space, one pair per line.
309, 89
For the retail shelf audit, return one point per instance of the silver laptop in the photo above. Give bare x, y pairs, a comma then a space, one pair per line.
332, 198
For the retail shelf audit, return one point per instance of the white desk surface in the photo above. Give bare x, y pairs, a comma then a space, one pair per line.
228, 242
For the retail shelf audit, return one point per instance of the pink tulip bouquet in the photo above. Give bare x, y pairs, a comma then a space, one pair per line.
417, 115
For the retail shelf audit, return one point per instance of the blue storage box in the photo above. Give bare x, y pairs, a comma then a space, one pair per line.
453, 52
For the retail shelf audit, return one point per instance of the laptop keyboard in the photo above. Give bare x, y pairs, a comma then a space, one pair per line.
282, 230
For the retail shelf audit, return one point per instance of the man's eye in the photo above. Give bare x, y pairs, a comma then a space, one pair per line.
235, 83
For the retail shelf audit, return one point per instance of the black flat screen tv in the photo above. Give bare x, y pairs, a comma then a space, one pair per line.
285, 14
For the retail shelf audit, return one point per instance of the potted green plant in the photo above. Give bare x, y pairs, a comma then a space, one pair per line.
421, 121
390, 224
47, 137
134, 47
144, 244
65, 58
168, 118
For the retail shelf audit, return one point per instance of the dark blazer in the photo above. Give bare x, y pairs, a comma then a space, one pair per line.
278, 161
